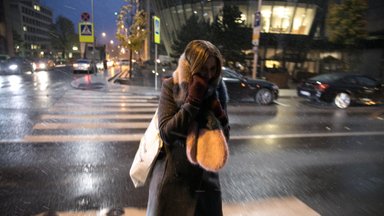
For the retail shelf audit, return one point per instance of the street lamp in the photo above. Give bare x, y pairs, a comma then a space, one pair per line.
103, 34
111, 42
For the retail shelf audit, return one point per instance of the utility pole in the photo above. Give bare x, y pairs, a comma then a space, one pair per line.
94, 33
256, 38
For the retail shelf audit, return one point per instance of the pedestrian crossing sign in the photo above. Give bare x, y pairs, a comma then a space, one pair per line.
86, 32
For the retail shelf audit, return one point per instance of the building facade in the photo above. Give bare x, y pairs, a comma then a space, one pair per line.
31, 22
6, 42
284, 25
293, 32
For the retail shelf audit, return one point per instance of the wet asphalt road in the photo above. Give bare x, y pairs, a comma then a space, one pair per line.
63, 148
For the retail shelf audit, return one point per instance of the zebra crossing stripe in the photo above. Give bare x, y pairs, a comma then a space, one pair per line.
287, 206
66, 100
109, 95
83, 138
91, 116
96, 105
103, 109
104, 125
83, 111
116, 97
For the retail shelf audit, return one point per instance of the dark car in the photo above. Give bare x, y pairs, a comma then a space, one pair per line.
240, 87
3, 61
17, 65
342, 89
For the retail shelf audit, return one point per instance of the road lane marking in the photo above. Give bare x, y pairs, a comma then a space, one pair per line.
137, 137
108, 95
83, 138
104, 125
281, 104
91, 116
103, 109
78, 99
287, 206
96, 105
305, 135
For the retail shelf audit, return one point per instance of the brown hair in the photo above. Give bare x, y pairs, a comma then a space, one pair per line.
196, 54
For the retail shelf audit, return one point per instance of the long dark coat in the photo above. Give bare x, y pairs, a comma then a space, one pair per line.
177, 187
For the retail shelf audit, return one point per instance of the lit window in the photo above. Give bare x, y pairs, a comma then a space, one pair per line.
272, 64
287, 19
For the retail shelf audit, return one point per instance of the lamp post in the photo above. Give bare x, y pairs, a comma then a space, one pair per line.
256, 37
93, 22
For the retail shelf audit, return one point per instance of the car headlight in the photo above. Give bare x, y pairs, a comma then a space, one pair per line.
275, 87
42, 65
13, 67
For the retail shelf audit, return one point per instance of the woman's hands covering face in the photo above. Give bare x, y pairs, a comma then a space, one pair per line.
197, 89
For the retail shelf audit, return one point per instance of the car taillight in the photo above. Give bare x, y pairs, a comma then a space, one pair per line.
321, 86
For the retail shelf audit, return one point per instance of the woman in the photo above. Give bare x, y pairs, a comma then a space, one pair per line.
177, 186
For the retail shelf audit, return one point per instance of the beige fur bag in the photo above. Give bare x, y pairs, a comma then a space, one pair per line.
206, 144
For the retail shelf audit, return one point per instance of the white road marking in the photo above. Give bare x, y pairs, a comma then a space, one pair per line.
102, 109
304, 135
104, 125
137, 137
104, 100
96, 105
108, 95
98, 117
281, 104
287, 206
82, 138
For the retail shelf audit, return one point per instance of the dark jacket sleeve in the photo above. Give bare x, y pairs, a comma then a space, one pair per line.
174, 121
223, 94
224, 98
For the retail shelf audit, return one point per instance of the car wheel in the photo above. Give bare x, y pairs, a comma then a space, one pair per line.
263, 96
342, 100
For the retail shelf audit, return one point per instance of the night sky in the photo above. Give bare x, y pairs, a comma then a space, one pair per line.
105, 19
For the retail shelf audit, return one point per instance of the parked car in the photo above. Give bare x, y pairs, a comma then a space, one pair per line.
3, 57
15, 65
3, 61
240, 87
342, 89
84, 65
43, 64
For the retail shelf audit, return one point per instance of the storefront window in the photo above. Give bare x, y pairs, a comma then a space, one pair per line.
287, 19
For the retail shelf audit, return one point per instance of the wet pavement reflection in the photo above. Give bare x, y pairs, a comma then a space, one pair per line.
70, 149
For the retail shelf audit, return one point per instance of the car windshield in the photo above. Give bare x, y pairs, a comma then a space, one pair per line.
327, 77
232, 74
